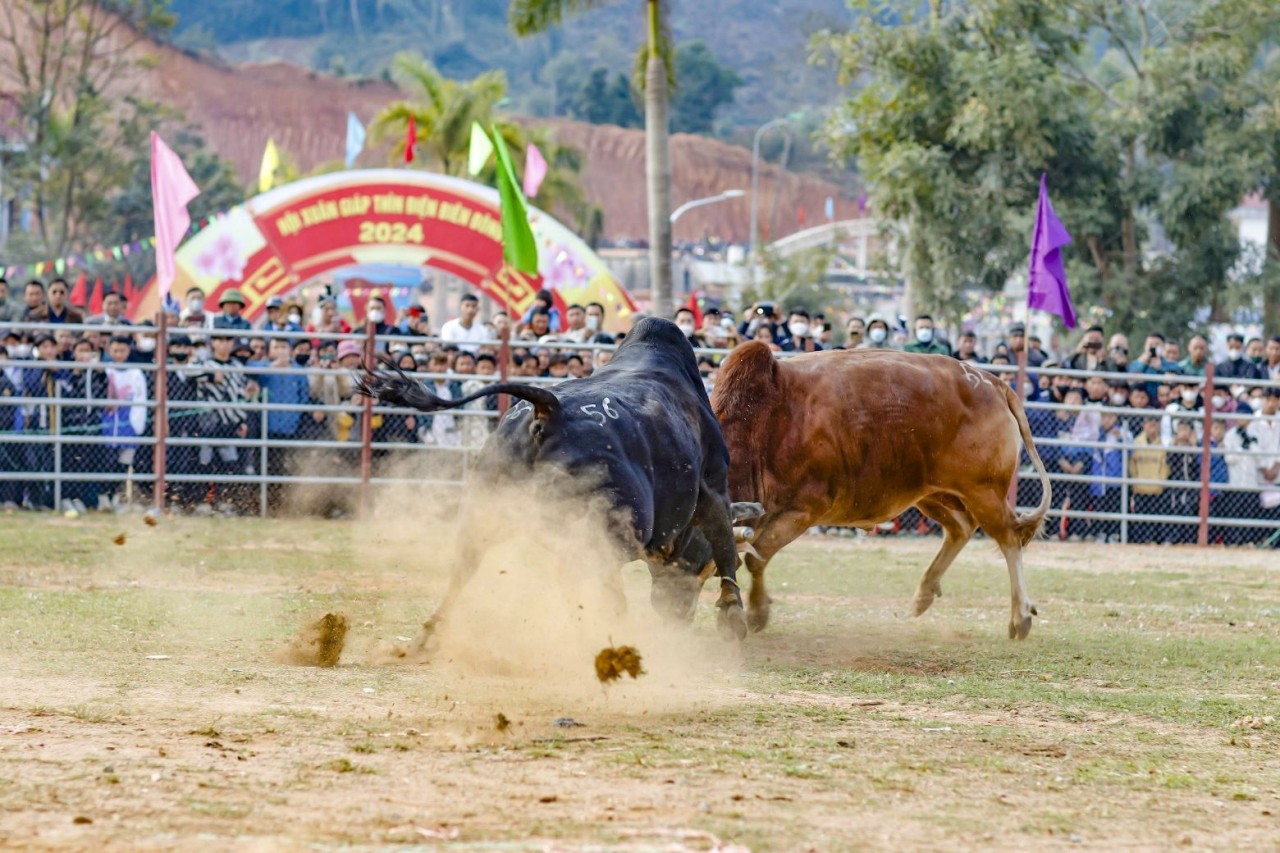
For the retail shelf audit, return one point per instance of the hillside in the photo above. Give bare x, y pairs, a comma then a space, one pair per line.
765, 41
239, 107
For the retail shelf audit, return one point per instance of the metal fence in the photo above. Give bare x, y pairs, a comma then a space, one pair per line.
79, 436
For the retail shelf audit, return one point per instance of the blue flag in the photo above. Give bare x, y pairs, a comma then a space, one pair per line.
1047, 280
830, 208
355, 139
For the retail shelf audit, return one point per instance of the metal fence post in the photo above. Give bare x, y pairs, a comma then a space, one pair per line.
160, 420
56, 433
1205, 461
263, 470
504, 366
1124, 494
366, 425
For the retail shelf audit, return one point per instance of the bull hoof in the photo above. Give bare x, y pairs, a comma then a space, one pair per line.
731, 623
924, 600
1020, 629
758, 619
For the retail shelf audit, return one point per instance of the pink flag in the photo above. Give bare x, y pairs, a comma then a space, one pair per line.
535, 169
171, 190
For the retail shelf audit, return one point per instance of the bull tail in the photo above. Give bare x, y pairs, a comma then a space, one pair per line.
394, 387
1028, 526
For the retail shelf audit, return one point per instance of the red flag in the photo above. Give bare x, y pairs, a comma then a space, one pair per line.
800, 215
77, 292
127, 290
95, 299
410, 140
696, 308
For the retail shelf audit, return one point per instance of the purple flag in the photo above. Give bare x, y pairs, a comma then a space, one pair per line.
1047, 281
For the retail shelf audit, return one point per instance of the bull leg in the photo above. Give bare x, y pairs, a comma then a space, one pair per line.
775, 534
995, 516
466, 562
958, 527
718, 528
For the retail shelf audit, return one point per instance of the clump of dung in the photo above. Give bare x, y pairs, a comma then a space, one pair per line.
317, 644
120, 540
612, 663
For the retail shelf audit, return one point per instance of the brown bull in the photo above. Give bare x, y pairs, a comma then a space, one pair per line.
854, 438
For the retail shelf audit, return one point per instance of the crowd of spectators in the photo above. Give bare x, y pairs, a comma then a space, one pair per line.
1136, 414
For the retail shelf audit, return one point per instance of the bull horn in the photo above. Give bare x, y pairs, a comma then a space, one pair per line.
397, 388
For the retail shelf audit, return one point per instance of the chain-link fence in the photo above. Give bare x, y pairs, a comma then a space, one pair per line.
1131, 458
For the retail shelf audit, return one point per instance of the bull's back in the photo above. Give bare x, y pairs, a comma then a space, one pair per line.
856, 436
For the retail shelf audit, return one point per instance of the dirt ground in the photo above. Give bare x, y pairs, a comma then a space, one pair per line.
144, 704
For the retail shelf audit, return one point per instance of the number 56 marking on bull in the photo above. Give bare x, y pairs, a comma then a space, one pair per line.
603, 413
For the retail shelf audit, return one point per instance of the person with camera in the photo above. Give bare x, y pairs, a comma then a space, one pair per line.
1088, 354
800, 333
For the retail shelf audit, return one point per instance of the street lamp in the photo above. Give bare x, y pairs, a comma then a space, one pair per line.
755, 176
699, 202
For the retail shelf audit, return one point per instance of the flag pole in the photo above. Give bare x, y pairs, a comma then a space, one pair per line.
161, 422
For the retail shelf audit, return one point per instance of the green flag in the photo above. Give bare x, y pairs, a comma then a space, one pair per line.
519, 249
481, 148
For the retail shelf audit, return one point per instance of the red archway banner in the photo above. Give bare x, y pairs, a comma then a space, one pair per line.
276, 241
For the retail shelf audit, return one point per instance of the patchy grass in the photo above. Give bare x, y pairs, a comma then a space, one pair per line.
138, 690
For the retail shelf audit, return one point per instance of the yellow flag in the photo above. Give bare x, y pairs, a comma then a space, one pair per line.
270, 163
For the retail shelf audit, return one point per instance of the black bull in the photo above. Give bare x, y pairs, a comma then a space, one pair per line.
639, 431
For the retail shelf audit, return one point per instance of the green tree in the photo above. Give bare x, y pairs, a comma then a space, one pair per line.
705, 87
602, 102
70, 66
1138, 112
536, 16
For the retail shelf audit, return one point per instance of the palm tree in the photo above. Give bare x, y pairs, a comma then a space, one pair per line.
443, 110
535, 16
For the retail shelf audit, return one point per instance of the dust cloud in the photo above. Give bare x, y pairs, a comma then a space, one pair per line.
550, 591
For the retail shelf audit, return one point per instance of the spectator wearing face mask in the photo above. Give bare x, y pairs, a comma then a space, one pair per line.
684, 322
143, 350
1184, 467
376, 313
1187, 404
925, 338
1236, 366
877, 334
800, 333
193, 308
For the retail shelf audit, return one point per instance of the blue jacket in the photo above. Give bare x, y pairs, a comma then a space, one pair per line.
283, 389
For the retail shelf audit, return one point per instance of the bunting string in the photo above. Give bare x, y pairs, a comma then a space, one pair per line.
94, 258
